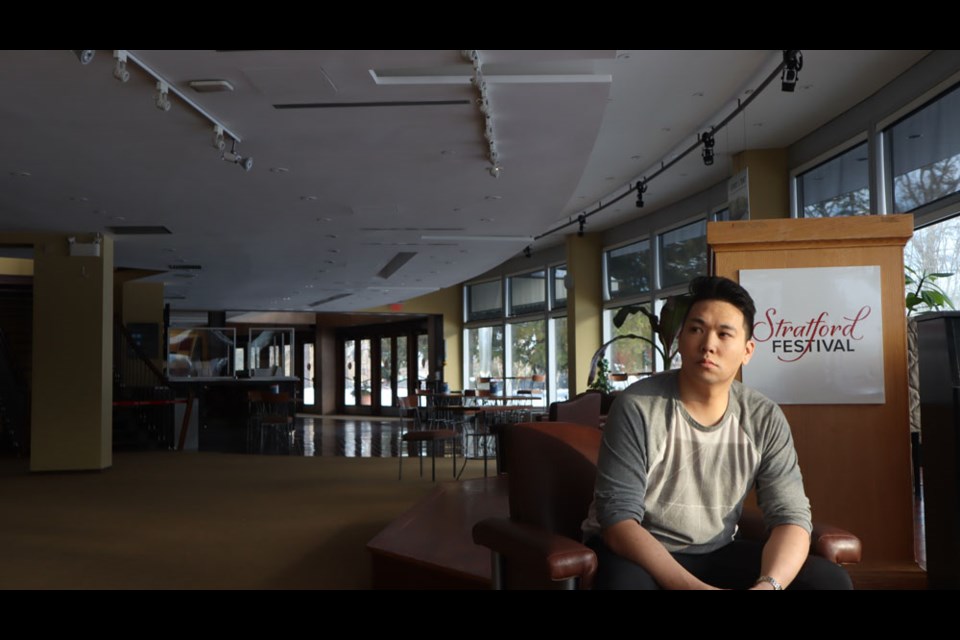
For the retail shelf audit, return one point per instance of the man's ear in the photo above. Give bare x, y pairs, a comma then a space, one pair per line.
750, 346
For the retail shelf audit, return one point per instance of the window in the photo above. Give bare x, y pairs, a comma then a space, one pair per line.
630, 358
628, 269
484, 301
936, 249
924, 152
838, 187
528, 354
528, 293
559, 380
558, 287
683, 254
722, 215
484, 347
525, 355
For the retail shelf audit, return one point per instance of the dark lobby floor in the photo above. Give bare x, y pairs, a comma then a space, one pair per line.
336, 436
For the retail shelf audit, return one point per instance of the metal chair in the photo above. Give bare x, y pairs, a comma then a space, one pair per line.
410, 412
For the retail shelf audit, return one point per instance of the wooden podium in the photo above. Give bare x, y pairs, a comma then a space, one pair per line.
855, 459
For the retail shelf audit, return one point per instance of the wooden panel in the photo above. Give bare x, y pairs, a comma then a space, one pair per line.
431, 545
855, 458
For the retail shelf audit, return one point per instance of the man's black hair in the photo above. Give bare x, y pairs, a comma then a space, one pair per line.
724, 289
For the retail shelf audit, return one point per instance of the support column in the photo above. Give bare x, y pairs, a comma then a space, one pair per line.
769, 178
584, 306
72, 412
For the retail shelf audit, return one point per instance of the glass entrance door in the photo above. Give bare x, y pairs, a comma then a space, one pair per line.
378, 369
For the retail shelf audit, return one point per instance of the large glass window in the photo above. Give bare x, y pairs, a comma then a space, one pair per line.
936, 249
925, 153
559, 378
838, 187
558, 287
386, 371
349, 372
403, 372
484, 301
484, 353
683, 254
528, 293
629, 359
423, 356
366, 398
528, 354
628, 269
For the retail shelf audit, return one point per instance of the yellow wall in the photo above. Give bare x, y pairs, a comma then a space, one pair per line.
449, 303
584, 306
142, 302
72, 358
769, 178
16, 266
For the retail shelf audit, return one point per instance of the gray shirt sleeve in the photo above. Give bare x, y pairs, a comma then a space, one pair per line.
622, 465
779, 484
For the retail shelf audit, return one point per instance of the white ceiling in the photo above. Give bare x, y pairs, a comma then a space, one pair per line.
337, 190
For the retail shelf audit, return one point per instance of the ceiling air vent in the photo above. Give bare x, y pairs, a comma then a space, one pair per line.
354, 105
138, 230
182, 267
394, 265
330, 299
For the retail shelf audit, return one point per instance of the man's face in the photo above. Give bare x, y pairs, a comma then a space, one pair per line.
713, 343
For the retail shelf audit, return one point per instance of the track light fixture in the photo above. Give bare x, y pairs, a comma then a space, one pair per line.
120, 67
641, 189
162, 100
162, 96
483, 104
707, 139
84, 55
236, 158
792, 63
527, 252
582, 219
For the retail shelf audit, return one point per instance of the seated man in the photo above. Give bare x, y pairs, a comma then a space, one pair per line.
680, 452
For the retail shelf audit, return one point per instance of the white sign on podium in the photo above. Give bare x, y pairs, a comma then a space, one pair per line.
818, 334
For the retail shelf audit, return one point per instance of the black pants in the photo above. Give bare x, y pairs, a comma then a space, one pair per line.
735, 566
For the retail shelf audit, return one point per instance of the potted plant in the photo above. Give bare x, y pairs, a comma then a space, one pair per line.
666, 328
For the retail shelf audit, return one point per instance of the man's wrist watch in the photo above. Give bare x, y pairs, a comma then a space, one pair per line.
773, 581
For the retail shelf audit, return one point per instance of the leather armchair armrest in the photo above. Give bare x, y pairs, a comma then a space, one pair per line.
835, 544
548, 556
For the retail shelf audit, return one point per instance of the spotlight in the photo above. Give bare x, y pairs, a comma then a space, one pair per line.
162, 97
494, 171
582, 219
792, 63
707, 139
236, 158
84, 55
527, 252
120, 68
641, 189
218, 141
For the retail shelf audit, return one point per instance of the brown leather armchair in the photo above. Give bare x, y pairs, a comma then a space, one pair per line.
552, 471
584, 409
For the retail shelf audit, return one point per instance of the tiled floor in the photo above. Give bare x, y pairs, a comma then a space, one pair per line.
361, 437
